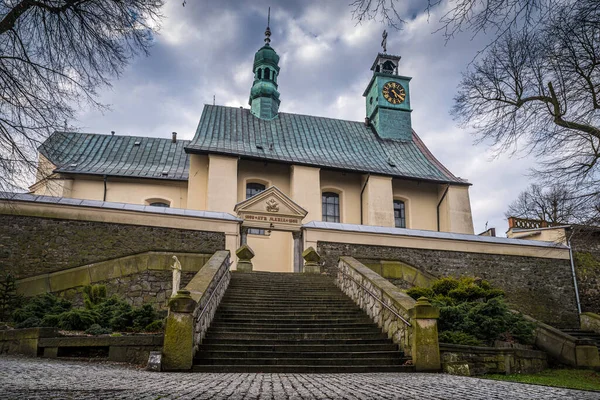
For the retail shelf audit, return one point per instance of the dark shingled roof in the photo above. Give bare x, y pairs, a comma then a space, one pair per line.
114, 155
316, 141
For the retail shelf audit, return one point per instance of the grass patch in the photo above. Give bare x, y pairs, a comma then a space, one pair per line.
563, 378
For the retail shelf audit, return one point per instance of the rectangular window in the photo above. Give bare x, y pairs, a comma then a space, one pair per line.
251, 190
331, 207
399, 214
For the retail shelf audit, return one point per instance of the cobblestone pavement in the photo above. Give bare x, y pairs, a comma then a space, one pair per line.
35, 378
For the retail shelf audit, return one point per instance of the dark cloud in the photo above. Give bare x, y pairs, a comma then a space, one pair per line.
207, 48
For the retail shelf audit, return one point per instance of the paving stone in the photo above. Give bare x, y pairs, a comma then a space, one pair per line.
37, 378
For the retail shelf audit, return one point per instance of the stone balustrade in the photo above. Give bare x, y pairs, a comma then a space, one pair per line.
410, 324
191, 311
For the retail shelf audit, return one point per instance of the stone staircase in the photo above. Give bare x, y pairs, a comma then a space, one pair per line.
580, 334
283, 322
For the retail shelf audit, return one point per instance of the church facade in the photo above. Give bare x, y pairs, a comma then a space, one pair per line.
375, 172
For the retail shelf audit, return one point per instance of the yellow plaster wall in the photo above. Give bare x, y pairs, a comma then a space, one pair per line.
268, 174
553, 235
197, 182
305, 189
378, 201
459, 210
273, 252
348, 186
222, 183
420, 200
132, 191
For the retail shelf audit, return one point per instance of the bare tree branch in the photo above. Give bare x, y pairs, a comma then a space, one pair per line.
54, 55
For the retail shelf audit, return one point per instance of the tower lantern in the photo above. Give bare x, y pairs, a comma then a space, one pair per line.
264, 97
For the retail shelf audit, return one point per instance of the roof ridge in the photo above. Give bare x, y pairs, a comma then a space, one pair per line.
286, 113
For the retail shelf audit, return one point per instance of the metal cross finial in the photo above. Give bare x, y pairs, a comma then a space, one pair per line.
268, 31
384, 41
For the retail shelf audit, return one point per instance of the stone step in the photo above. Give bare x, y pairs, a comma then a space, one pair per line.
297, 325
299, 361
246, 341
290, 297
294, 335
277, 308
299, 348
249, 303
318, 329
291, 313
210, 353
324, 369
317, 320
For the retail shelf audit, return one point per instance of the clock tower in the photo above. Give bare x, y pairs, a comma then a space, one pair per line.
388, 99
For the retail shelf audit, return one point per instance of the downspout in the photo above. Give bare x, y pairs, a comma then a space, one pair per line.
574, 276
438, 206
361, 197
105, 180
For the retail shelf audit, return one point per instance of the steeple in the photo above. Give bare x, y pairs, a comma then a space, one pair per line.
264, 97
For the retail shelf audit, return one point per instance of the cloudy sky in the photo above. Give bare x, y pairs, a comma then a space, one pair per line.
206, 49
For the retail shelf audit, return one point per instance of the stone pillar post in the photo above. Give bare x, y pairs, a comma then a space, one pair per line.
245, 256
297, 251
178, 347
313, 261
425, 345
244, 236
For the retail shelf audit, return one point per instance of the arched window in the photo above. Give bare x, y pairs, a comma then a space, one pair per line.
252, 189
159, 204
259, 74
331, 207
399, 214
267, 73
388, 67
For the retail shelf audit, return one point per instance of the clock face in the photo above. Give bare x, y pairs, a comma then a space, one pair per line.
393, 92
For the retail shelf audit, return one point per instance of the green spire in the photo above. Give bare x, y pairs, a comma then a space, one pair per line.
264, 97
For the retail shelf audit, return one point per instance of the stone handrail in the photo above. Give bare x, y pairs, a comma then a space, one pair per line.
207, 289
191, 311
418, 337
563, 347
590, 322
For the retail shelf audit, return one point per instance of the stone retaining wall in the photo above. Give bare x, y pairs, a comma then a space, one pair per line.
476, 360
32, 245
540, 287
586, 253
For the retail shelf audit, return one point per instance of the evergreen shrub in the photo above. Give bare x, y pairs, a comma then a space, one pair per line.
473, 312
108, 313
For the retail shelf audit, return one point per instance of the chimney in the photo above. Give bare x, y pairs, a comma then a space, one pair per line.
367, 121
112, 133
174, 137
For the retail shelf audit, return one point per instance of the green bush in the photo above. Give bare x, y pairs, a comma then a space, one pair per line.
109, 313
455, 337
156, 326
50, 320
97, 330
31, 322
472, 311
39, 306
78, 319
93, 295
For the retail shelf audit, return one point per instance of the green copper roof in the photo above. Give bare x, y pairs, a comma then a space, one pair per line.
317, 141
114, 155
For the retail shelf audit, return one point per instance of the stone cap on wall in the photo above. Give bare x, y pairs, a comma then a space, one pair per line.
428, 234
26, 197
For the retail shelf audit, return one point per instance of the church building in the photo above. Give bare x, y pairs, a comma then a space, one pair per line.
375, 171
